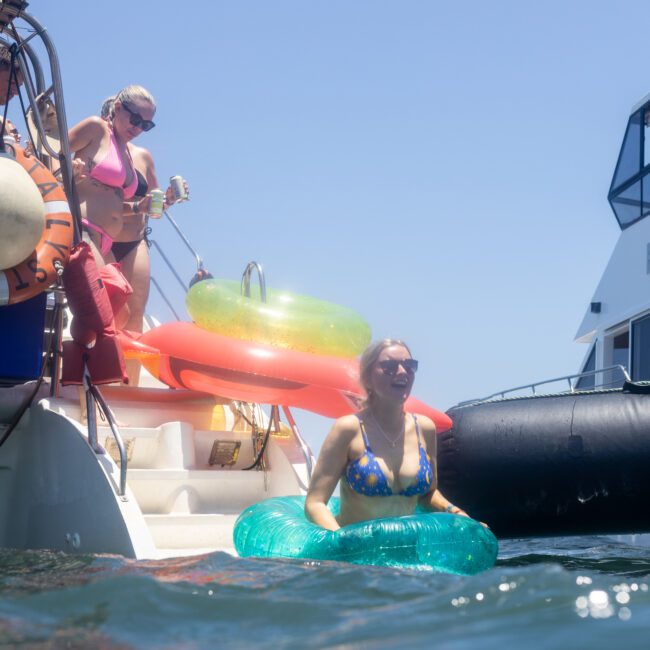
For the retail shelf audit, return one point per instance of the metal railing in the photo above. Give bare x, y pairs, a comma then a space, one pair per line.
94, 397
572, 386
246, 280
34, 85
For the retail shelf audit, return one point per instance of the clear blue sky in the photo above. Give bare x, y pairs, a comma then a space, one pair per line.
440, 167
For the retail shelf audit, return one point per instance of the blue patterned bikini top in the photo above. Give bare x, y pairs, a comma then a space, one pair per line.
365, 476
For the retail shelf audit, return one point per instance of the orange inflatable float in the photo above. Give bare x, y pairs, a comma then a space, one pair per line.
39, 269
196, 359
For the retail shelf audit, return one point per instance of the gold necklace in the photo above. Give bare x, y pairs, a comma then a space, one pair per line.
393, 441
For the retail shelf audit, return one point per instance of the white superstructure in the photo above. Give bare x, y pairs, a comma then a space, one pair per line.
617, 321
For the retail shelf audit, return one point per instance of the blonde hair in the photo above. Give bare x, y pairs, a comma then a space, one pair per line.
369, 358
130, 94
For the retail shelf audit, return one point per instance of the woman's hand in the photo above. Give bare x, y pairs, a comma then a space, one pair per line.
170, 199
80, 168
142, 206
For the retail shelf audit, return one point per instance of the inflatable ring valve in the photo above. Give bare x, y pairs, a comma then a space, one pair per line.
286, 320
37, 271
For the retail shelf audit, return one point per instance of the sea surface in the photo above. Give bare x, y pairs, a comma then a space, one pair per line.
580, 592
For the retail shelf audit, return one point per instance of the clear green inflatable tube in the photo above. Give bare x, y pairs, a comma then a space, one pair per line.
448, 543
286, 320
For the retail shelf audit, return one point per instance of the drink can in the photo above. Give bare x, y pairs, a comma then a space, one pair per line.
157, 203
178, 188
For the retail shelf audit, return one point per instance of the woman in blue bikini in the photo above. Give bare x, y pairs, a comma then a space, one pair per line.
385, 458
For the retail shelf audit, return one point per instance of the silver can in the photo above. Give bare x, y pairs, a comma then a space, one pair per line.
157, 203
177, 184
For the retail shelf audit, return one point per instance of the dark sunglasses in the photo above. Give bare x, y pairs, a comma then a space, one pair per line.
391, 366
137, 120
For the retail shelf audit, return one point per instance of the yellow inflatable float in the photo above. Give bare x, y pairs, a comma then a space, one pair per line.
286, 320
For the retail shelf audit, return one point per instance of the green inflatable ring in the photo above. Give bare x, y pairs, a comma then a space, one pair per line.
286, 320
448, 543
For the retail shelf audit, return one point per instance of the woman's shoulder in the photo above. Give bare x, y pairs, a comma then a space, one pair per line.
346, 427
426, 424
93, 125
140, 154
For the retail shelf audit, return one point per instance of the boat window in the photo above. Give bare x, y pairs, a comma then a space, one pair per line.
620, 357
588, 382
629, 193
641, 349
629, 159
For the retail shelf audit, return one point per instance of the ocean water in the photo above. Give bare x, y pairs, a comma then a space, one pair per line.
582, 592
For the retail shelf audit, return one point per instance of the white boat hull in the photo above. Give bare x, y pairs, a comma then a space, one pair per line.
57, 493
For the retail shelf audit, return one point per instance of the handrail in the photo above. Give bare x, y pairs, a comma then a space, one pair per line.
64, 156
163, 295
181, 234
170, 266
246, 280
309, 461
534, 385
94, 396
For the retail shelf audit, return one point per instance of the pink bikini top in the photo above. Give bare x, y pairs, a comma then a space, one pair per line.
111, 170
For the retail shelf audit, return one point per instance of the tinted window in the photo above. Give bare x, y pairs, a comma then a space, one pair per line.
629, 159
641, 349
627, 204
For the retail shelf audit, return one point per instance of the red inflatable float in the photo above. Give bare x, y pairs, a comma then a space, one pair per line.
196, 359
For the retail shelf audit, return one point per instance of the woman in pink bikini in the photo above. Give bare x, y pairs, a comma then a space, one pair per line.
104, 169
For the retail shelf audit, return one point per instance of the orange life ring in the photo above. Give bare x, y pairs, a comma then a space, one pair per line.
38, 271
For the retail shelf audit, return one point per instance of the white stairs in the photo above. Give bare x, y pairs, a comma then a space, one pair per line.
189, 504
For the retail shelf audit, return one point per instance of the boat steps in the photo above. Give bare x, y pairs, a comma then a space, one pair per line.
164, 491
179, 445
172, 533
190, 485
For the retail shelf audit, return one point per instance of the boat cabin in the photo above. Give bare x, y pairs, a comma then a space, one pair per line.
617, 322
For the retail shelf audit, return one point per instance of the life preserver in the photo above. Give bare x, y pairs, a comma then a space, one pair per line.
285, 320
38, 271
277, 527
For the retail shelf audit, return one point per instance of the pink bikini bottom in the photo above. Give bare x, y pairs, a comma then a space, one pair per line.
105, 240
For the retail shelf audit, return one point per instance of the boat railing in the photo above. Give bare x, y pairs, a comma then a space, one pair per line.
200, 267
572, 381
28, 63
246, 280
93, 398
9, 10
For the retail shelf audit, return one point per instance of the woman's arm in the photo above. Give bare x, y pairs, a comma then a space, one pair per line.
434, 500
143, 162
85, 133
331, 464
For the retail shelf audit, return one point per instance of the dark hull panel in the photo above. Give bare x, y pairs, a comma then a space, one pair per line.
571, 464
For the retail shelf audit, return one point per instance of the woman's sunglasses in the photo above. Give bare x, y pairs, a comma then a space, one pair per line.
391, 366
137, 120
